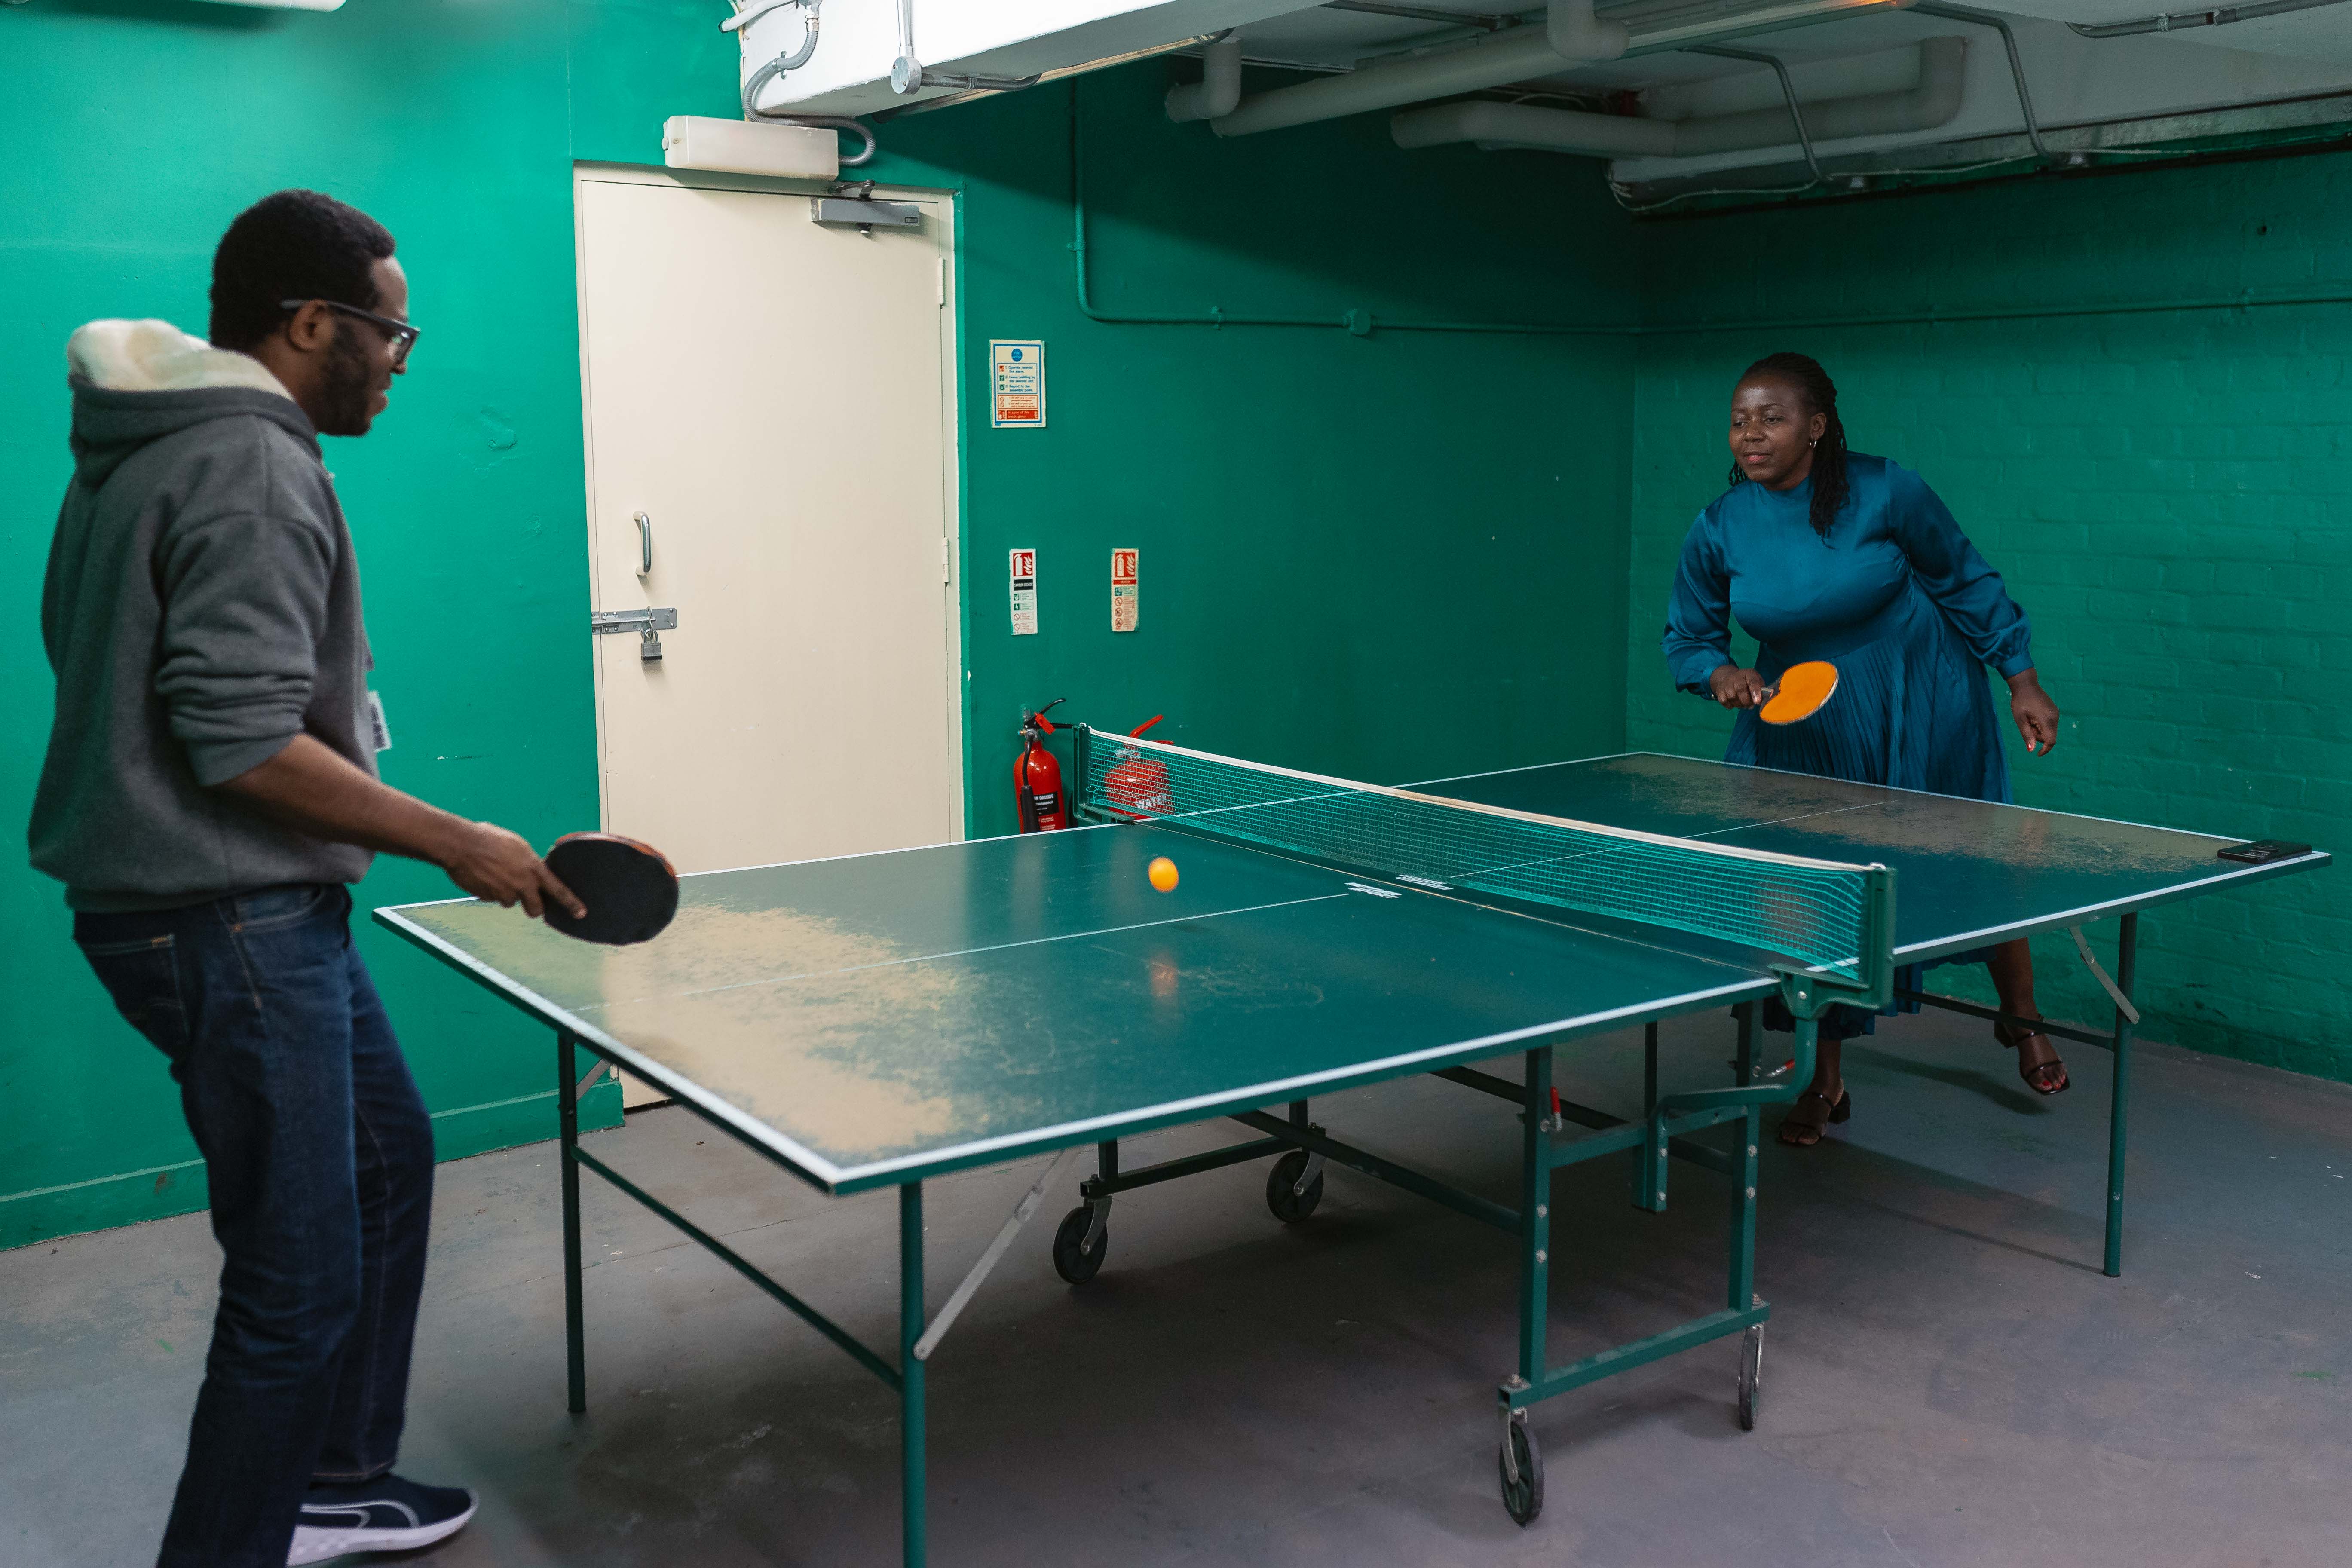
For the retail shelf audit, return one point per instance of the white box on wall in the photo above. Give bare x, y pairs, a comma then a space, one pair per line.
744, 147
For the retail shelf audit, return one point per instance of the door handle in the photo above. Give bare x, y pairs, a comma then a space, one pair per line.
645, 544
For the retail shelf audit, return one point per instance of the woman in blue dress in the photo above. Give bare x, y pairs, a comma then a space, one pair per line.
1832, 554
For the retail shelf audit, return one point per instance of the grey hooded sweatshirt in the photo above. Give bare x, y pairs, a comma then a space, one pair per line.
201, 608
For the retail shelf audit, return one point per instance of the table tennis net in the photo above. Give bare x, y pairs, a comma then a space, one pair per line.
1816, 911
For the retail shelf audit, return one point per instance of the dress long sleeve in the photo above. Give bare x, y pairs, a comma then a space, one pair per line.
1698, 611
1961, 580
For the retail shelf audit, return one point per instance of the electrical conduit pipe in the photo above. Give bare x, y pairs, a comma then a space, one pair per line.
1933, 103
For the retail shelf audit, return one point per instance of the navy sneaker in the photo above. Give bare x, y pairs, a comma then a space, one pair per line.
386, 1514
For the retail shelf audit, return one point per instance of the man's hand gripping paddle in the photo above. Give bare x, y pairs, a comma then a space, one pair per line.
629, 889
1800, 692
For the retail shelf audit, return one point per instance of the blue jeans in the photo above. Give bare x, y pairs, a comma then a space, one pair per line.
320, 1155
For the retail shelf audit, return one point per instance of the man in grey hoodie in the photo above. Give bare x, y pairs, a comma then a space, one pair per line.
210, 791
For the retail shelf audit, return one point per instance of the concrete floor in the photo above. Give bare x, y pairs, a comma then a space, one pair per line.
1948, 1379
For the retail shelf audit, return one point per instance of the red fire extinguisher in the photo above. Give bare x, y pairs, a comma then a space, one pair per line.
1037, 776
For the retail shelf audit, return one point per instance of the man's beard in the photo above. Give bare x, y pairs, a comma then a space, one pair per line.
347, 390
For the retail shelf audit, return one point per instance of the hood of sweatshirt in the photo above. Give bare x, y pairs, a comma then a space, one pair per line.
136, 382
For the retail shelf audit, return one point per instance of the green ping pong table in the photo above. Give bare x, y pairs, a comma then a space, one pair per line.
880, 1020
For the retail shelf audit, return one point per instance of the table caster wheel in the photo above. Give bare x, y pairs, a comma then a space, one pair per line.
1072, 1261
1289, 1204
1523, 1498
1751, 1375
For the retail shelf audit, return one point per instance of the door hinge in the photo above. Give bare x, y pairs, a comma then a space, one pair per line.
947, 559
943, 282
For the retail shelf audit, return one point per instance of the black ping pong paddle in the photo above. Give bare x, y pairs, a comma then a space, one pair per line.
2262, 851
629, 889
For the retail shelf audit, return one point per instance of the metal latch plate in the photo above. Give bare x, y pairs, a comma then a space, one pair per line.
664, 619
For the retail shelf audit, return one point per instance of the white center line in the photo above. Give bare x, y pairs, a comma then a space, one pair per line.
999, 947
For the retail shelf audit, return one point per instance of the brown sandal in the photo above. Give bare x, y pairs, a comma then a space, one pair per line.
2035, 1063
1811, 1114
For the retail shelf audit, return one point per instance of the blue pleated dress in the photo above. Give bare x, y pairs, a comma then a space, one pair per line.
1897, 598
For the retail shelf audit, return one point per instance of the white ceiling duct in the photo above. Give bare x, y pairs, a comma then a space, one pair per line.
850, 70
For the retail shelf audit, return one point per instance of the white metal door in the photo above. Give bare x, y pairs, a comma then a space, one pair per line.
773, 397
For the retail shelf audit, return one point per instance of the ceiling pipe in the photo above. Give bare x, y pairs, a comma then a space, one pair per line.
1577, 34
1490, 61
1494, 23
1492, 124
1929, 106
2220, 17
1520, 54
1219, 90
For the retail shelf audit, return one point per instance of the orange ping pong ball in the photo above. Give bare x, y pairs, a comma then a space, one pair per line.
1163, 872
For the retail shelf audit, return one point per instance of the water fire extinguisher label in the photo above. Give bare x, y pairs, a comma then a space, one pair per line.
1123, 587
1017, 376
1025, 593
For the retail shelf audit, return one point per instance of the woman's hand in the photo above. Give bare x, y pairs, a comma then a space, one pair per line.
2036, 715
1736, 688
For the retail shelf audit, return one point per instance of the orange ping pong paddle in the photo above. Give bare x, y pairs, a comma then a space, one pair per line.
1800, 692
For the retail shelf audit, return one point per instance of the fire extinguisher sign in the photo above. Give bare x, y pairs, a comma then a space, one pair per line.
1018, 390
1123, 587
1025, 593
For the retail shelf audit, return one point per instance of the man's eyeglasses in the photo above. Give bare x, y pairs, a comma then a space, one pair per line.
400, 334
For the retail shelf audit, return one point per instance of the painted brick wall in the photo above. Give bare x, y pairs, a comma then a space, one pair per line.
2167, 493
1325, 519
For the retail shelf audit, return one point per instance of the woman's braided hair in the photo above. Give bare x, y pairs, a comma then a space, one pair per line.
1806, 374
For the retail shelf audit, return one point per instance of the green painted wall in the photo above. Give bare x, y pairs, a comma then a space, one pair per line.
1366, 555
1360, 554
1382, 555
2168, 494
447, 120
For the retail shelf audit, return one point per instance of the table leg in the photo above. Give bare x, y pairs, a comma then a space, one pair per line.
1520, 1463
1743, 1213
1650, 1170
2118, 1111
1744, 1167
1535, 1216
567, 1107
910, 1372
